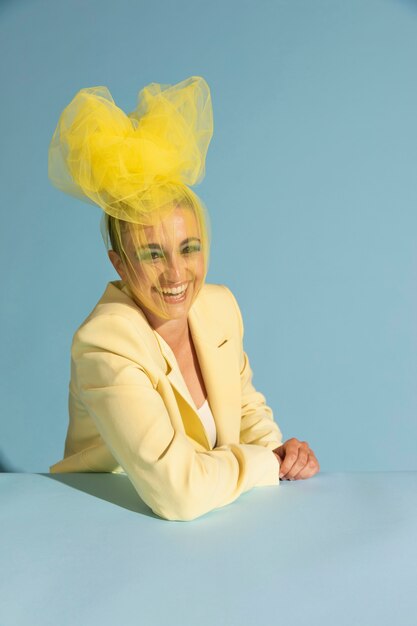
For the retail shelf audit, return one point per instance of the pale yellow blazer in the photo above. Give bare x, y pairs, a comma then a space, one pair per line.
130, 409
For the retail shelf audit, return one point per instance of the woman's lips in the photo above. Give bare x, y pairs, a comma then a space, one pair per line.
171, 298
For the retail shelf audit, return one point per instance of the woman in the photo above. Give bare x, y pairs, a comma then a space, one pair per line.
161, 387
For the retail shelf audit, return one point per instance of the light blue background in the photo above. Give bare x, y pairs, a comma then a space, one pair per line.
311, 185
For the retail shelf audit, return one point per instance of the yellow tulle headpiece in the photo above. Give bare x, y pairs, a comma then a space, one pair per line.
133, 164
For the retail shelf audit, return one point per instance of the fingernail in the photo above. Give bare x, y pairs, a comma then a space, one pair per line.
281, 474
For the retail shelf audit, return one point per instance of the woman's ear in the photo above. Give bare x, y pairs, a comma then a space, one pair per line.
117, 264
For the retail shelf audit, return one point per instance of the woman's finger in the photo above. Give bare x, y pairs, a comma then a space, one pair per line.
290, 455
301, 461
296, 457
311, 468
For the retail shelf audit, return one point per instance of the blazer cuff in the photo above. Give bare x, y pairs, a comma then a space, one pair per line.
260, 463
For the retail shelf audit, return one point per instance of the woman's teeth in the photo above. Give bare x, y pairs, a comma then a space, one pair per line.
175, 293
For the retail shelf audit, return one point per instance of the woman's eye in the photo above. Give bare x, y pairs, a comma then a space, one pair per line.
189, 249
157, 255
150, 255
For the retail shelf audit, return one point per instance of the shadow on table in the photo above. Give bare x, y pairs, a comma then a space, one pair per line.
114, 488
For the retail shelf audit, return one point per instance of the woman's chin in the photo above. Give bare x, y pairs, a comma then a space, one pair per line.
175, 310
167, 307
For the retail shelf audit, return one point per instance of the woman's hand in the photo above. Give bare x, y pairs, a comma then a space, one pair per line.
297, 460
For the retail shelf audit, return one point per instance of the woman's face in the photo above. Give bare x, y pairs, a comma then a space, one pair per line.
166, 264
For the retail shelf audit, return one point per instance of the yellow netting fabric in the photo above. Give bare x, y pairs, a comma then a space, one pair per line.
131, 164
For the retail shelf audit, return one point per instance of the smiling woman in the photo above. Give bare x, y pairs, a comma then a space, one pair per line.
161, 387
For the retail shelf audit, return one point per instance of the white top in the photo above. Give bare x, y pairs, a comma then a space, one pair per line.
206, 416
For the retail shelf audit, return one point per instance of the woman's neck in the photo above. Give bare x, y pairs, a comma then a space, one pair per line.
175, 332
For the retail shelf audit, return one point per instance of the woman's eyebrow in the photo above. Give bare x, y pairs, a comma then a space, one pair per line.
157, 245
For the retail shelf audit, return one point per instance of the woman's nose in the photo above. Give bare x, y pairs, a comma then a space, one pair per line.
175, 268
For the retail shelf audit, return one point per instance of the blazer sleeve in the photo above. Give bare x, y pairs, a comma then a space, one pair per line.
172, 477
257, 425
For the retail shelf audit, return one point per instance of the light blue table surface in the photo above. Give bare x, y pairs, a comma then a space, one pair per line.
82, 549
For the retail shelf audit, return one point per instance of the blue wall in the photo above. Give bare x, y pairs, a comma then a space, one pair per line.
311, 185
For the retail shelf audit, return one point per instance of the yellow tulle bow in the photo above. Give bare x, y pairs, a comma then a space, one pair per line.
131, 164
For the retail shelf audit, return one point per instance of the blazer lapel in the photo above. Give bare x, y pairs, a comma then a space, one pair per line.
174, 373
192, 423
216, 354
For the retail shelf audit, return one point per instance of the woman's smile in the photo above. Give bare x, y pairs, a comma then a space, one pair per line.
173, 295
